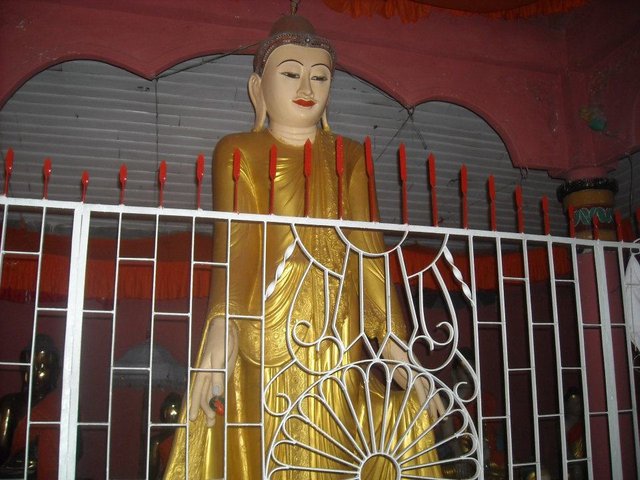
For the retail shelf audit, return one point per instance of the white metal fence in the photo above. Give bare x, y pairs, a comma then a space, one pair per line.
523, 338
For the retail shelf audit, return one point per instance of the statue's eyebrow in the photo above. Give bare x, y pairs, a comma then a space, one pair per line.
321, 64
290, 60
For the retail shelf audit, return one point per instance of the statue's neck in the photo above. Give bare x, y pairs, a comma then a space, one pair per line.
293, 136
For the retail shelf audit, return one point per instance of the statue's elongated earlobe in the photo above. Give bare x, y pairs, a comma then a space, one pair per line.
257, 100
324, 122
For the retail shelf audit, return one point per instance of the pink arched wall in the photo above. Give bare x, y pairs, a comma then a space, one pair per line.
529, 79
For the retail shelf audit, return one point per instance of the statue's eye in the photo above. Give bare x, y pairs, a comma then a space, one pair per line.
290, 74
320, 78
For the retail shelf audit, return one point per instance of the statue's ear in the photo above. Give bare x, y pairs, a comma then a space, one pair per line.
257, 99
324, 122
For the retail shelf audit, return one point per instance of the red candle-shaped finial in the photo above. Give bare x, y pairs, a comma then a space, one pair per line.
339, 171
492, 202
596, 227
368, 159
308, 157
617, 216
545, 215
199, 177
84, 181
307, 175
572, 221
520, 216
432, 183
273, 165
46, 173
123, 181
463, 191
402, 155
8, 169
236, 178
162, 179
236, 165
403, 179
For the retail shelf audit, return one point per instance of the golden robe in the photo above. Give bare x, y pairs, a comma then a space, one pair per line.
336, 425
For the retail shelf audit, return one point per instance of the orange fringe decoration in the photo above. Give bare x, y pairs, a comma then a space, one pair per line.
410, 11
173, 276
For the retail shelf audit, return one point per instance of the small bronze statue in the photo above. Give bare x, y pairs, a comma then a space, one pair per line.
573, 421
160, 443
13, 409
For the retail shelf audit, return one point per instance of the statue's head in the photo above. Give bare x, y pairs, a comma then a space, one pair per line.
45, 368
573, 402
170, 408
292, 75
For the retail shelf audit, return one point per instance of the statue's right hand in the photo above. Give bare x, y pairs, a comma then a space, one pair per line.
208, 384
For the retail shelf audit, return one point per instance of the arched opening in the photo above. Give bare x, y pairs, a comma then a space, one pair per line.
87, 115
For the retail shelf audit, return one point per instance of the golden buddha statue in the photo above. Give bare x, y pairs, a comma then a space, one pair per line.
43, 445
295, 316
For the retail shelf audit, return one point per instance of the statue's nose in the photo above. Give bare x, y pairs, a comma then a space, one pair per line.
304, 89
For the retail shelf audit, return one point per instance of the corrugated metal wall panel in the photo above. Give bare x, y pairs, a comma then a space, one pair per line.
93, 116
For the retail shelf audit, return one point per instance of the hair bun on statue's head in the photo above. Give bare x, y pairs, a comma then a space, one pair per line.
291, 30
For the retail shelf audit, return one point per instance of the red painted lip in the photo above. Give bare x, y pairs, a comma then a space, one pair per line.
304, 103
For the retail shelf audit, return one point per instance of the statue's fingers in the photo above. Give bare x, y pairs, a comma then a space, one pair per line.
196, 395
204, 402
211, 421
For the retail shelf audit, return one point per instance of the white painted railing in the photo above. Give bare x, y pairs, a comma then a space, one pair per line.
525, 319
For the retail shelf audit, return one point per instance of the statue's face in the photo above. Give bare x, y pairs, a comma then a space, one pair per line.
295, 85
45, 372
573, 404
171, 413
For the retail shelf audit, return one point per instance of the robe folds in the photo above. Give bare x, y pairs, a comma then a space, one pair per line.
303, 315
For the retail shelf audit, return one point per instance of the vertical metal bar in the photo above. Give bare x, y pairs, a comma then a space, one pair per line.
609, 361
33, 336
476, 351
558, 350
225, 463
532, 359
113, 339
151, 341
263, 314
187, 407
73, 343
3, 236
505, 356
583, 370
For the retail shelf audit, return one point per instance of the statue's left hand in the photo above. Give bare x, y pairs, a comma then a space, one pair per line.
212, 383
